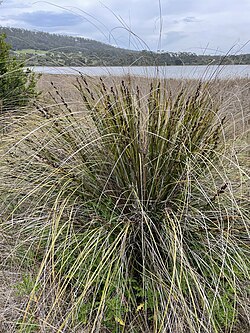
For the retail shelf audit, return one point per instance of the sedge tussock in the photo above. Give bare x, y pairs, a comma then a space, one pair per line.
131, 209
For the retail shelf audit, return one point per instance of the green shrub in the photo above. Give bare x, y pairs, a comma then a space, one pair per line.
131, 205
17, 84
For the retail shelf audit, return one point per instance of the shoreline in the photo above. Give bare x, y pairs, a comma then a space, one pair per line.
174, 72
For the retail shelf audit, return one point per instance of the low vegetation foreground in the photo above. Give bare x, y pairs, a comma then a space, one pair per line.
125, 207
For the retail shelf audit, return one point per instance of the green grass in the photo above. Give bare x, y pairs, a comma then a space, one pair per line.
131, 209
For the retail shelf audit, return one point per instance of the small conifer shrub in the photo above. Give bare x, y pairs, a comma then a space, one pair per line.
17, 84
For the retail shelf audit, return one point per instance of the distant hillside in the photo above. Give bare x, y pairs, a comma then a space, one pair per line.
41, 48
38, 40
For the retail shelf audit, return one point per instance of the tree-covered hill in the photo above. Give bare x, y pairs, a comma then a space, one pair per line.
41, 48
25, 39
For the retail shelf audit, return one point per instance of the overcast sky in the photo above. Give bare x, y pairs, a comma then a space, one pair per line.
211, 26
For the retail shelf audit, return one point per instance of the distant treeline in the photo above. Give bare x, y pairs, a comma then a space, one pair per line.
41, 48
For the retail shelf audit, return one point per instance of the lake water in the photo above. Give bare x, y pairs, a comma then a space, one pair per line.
176, 72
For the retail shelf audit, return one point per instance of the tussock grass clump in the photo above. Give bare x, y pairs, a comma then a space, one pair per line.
130, 211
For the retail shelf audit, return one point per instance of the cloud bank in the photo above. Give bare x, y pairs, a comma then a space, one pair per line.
173, 25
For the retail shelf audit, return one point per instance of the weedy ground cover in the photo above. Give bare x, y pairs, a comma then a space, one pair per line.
132, 207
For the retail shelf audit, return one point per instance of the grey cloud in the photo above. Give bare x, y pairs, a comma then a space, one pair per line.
190, 19
48, 19
13, 4
173, 7
173, 37
186, 24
